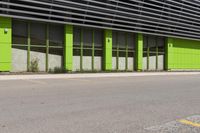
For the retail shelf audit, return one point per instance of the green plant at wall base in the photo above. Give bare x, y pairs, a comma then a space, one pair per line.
34, 67
59, 70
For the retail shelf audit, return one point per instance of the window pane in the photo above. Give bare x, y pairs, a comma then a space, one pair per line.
87, 52
161, 44
152, 43
87, 37
98, 38
122, 39
145, 42
77, 36
38, 34
98, 53
20, 32
56, 35
114, 40
131, 40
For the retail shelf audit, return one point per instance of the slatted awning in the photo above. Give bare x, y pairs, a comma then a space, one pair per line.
176, 18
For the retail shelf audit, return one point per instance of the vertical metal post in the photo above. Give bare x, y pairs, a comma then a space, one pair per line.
126, 51
157, 53
117, 59
148, 50
47, 47
93, 49
29, 46
81, 55
134, 53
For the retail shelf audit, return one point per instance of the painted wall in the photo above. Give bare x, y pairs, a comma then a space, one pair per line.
5, 43
182, 54
19, 60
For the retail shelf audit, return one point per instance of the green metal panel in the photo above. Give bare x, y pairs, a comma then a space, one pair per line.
108, 50
182, 54
5, 43
169, 54
68, 48
139, 52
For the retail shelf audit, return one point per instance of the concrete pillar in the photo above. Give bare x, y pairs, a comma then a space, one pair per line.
139, 52
107, 50
5, 43
68, 48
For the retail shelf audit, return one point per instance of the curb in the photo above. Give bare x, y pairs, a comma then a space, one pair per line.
96, 75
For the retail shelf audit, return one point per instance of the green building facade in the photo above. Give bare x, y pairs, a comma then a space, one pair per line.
178, 54
98, 36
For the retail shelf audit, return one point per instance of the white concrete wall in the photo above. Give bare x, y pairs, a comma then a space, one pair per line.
161, 62
87, 63
76, 63
130, 63
41, 59
98, 63
114, 63
122, 63
152, 63
19, 60
144, 63
55, 61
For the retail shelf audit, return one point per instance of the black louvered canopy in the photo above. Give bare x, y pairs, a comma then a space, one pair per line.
176, 18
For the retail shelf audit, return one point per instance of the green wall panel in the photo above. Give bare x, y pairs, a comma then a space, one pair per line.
108, 50
68, 48
139, 52
182, 54
5, 43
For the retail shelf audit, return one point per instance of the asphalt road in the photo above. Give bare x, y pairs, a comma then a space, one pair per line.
153, 104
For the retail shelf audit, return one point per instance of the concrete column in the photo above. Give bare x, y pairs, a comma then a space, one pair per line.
139, 52
68, 48
107, 50
5, 43
169, 54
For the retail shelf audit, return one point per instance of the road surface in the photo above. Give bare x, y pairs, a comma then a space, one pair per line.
152, 104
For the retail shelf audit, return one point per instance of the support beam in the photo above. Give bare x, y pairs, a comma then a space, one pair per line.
107, 50
81, 51
5, 43
126, 43
139, 52
68, 48
47, 48
29, 47
117, 59
93, 49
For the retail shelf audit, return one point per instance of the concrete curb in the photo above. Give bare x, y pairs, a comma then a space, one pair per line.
92, 75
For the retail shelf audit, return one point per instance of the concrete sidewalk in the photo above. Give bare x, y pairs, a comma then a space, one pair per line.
91, 75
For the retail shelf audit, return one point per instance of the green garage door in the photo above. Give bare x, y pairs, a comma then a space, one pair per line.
183, 54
